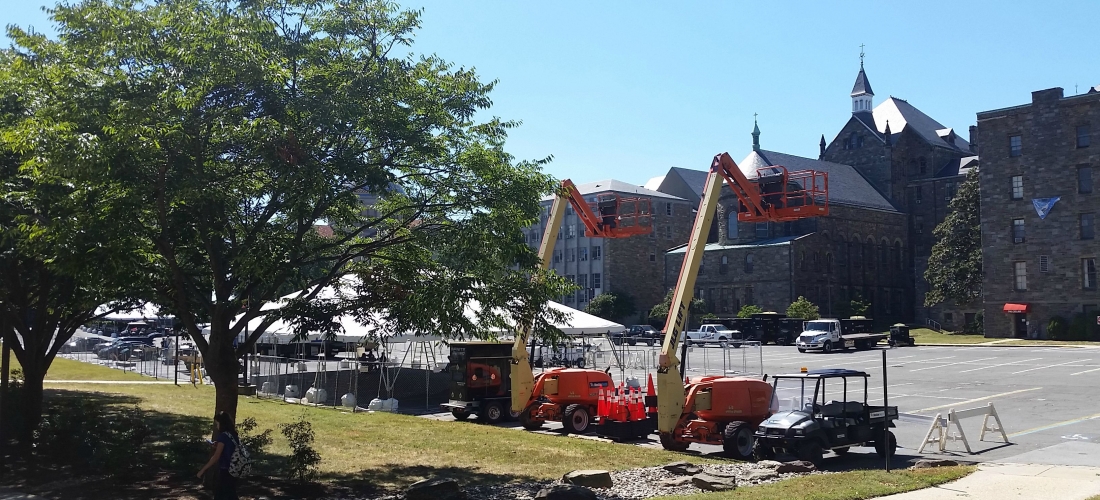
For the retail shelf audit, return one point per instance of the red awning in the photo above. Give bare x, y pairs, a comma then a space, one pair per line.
1016, 308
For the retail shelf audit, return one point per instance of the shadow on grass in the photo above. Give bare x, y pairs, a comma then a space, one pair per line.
174, 449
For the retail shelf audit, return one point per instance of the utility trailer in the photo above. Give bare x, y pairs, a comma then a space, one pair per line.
828, 335
479, 380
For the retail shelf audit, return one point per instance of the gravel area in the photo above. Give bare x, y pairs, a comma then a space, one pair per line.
631, 484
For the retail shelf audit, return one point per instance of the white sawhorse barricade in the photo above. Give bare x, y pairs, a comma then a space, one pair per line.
940, 431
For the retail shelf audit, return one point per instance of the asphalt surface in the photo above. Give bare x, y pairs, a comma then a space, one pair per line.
1045, 396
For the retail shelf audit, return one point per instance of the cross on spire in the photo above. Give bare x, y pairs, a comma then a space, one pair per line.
861, 55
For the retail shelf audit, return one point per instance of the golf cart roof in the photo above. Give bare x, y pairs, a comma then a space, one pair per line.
827, 373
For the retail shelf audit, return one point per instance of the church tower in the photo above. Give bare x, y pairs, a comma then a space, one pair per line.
861, 91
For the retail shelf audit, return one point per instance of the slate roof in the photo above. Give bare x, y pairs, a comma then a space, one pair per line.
696, 179
654, 183
863, 85
846, 185
958, 166
774, 242
902, 115
621, 187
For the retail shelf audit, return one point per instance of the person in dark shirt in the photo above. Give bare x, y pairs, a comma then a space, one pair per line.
226, 443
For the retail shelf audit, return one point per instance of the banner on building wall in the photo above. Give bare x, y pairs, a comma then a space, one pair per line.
1043, 205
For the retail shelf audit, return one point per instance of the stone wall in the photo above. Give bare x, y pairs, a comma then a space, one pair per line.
1049, 163
635, 266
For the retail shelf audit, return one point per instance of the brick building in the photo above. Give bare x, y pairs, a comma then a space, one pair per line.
631, 266
915, 162
1039, 267
856, 251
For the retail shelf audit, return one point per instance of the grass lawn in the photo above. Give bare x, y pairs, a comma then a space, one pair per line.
392, 451
67, 369
929, 336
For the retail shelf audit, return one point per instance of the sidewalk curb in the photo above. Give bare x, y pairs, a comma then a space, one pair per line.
1008, 345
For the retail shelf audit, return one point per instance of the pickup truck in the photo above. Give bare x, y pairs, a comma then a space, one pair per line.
712, 334
828, 335
638, 333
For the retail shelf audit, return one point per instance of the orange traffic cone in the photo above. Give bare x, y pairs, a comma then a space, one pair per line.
599, 404
639, 405
650, 391
613, 410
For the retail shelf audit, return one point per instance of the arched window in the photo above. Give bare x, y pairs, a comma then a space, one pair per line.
897, 255
723, 268
828, 262
802, 261
923, 165
817, 261
748, 263
731, 225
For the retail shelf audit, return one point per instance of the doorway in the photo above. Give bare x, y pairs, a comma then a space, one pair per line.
1020, 325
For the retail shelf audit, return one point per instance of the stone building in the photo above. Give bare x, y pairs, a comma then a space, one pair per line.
858, 251
631, 266
1037, 157
915, 162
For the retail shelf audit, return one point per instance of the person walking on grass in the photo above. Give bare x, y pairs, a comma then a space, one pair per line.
225, 485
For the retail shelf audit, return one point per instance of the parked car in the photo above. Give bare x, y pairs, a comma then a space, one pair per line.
638, 333
127, 351
83, 344
713, 334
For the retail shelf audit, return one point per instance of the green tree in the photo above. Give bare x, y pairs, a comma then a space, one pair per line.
955, 267
804, 309
62, 254
230, 131
658, 314
611, 306
748, 310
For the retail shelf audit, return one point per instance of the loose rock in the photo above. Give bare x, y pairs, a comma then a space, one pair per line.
683, 468
439, 488
796, 466
769, 464
589, 478
926, 463
711, 482
675, 482
566, 492
758, 475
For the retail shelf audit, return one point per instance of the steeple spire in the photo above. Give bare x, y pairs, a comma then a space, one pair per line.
755, 134
821, 145
862, 95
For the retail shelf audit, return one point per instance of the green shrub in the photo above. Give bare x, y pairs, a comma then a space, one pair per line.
1058, 328
303, 460
748, 310
803, 309
83, 435
709, 318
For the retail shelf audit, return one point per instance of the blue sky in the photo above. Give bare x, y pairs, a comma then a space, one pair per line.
625, 90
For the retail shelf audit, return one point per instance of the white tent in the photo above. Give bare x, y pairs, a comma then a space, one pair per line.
146, 311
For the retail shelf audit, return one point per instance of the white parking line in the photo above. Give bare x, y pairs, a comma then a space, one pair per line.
1001, 364
1087, 371
1050, 366
950, 364
975, 400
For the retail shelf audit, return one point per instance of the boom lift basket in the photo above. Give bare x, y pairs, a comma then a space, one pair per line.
787, 196
618, 216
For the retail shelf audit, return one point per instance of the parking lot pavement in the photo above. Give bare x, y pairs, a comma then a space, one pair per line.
1044, 395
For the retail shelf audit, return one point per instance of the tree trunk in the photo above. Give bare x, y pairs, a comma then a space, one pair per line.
221, 364
32, 407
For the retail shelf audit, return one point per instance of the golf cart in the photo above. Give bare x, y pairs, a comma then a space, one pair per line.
805, 421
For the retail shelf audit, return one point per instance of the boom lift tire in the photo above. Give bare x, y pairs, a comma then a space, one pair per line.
811, 452
576, 419
530, 423
460, 415
890, 446
671, 444
493, 413
737, 440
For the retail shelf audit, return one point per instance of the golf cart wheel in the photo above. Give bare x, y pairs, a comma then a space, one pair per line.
828, 347
460, 415
527, 421
811, 452
671, 444
576, 419
888, 448
493, 413
841, 451
737, 440
761, 452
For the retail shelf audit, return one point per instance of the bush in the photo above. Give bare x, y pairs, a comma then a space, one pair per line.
803, 309
1082, 327
709, 318
83, 435
748, 310
303, 460
976, 327
1058, 328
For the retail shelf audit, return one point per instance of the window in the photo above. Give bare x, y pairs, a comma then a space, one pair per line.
724, 267
596, 252
762, 230
572, 255
569, 210
1017, 230
748, 264
1017, 187
1044, 263
597, 282
923, 165
919, 223
653, 257
886, 301
570, 278
702, 268
731, 225
1087, 227
842, 255
1015, 146
948, 318
582, 254
557, 256
918, 194
1020, 271
668, 232
897, 254
829, 262
571, 231
869, 254
817, 261
949, 191
1088, 273
1084, 179
668, 209
1082, 136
